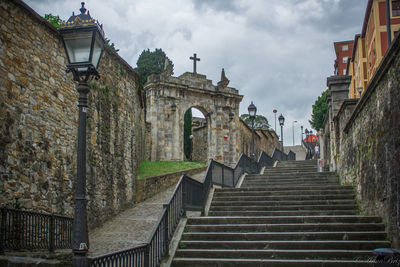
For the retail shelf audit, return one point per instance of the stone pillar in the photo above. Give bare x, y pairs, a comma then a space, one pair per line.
339, 86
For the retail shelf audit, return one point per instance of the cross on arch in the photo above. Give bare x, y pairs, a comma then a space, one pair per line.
194, 58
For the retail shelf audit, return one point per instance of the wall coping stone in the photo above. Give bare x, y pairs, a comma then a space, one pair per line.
385, 64
346, 102
168, 178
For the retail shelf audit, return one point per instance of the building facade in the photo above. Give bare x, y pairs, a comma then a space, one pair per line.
372, 44
343, 52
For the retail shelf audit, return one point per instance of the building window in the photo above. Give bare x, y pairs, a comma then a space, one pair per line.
345, 48
345, 59
395, 8
344, 72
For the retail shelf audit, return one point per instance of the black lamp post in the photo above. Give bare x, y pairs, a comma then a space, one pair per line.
307, 133
281, 123
301, 127
83, 40
252, 114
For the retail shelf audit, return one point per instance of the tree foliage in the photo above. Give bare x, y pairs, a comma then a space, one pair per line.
151, 62
54, 20
260, 121
319, 110
187, 132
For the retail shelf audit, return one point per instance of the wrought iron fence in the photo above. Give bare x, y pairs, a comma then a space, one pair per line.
22, 229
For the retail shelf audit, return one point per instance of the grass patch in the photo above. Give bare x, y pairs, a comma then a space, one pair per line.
153, 168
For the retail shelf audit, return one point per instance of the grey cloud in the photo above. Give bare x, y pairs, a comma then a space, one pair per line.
218, 5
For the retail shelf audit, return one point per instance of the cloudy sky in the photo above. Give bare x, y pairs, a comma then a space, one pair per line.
277, 53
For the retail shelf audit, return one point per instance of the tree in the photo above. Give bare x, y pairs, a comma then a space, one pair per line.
319, 110
151, 63
54, 20
260, 122
187, 132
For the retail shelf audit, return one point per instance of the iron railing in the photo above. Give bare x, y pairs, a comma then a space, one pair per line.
22, 229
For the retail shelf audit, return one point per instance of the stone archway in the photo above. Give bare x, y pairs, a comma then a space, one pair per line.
169, 97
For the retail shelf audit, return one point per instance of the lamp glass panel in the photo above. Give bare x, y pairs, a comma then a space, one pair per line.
78, 46
97, 48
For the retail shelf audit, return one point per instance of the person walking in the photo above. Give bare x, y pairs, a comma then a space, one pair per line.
316, 149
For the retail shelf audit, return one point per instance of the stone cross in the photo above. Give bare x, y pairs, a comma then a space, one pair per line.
194, 58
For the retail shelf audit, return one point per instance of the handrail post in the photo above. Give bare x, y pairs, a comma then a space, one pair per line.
3, 230
223, 177
166, 229
147, 256
51, 234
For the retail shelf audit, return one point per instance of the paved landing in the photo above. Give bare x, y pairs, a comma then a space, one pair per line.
131, 227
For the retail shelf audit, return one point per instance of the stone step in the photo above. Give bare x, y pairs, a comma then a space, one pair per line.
286, 176
294, 227
285, 193
303, 245
285, 197
283, 219
291, 179
287, 187
260, 236
283, 213
351, 207
283, 202
259, 184
207, 262
181, 262
274, 253
295, 170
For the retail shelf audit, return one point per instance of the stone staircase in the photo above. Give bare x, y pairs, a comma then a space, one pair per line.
289, 216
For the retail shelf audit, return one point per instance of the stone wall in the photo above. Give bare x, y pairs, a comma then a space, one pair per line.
38, 122
264, 140
150, 186
200, 144
367, 144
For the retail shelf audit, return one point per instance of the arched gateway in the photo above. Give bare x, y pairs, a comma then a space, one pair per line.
168, 98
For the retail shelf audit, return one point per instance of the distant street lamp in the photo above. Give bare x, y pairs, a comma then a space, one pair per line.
307, 133
281, 123
293, 130
301, 128
275, 111
83, 40
252, 114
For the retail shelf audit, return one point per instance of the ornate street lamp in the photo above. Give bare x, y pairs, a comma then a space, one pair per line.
173, 107
252, 114
83, 40
231, 116
281, 123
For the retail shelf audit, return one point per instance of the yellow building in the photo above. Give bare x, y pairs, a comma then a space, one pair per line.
371, 45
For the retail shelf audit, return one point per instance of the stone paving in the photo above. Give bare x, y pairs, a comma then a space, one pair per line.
131, 227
